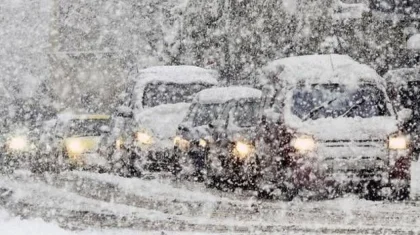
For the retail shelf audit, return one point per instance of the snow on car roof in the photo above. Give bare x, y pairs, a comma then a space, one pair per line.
312, 69
224, 94
88, 116
401, 76
177, 74
183, 74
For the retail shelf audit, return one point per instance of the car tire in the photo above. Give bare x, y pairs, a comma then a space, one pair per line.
401, 193
372, 191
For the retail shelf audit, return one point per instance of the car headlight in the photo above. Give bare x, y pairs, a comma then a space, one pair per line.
18, 143
75, 147
243, 150
119, 144
303, 144
144, 138
202, 143
181, 143
398, 142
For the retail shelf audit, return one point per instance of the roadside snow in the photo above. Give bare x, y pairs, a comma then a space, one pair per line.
10, 225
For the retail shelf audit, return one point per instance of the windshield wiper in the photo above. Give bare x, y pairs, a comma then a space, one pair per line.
358, 103
316, 109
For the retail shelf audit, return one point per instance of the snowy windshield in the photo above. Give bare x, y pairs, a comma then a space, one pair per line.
333, 100
88, 127
246, 113
170, 93
204, 114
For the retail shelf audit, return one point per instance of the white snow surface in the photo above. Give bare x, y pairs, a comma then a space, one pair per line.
178, 74
163, 121
313, 69
224, 94
339, 216
413, 43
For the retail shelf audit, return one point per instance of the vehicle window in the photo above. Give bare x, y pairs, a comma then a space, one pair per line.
87, 127
207, 113
247, 113
333, 100
409, 96
170, 93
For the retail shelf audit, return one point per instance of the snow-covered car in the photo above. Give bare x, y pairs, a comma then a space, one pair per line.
231, 111
156, 101
74, 143
23, 126
328, 127
403, 87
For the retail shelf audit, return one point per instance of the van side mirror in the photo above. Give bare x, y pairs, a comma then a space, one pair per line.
125, 112
404, 115
217, 124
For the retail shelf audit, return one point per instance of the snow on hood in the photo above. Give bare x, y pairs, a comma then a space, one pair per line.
163, 120
321, 69
220, 95
344, 128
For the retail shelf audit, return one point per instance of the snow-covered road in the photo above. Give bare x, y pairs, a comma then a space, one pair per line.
86, 203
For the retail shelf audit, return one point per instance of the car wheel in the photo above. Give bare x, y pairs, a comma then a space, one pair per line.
400, 193
372, 191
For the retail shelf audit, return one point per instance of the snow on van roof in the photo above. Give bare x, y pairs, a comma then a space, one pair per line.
320, 69
224, 94
403, 75
177, 74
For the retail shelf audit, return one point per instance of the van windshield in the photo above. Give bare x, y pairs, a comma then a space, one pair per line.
334, 100
204, 114
87, 127
170, 93
246, 113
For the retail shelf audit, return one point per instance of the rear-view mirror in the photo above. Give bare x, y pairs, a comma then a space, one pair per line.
404, 114
124, 111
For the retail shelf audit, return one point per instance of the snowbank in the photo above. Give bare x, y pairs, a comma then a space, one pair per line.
15, 226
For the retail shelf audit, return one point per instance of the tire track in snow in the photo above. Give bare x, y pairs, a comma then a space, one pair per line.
282, 215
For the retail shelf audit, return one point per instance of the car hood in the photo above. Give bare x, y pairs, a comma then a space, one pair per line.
346, 128
163, 120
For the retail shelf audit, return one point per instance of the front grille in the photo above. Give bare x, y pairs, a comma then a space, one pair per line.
354, 143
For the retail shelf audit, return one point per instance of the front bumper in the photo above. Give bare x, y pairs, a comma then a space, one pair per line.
191, 162
15, 160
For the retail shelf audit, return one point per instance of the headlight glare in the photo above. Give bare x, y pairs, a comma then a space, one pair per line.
398, 143
181, 143
202, 143
242, 150
303, 144
144, 138
18, 143
75, 147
